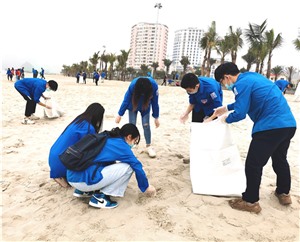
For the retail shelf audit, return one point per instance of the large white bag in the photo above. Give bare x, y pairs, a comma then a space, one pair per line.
215, 163
56, 111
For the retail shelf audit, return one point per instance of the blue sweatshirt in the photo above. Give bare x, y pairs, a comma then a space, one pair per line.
115, 149
281, 84
208, 97
256, 96
72, 134
127, 102
31, 87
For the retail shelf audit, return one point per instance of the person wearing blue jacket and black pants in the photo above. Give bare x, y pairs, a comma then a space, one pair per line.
112, 170
141, 96
32, 90
274, 127
205, 94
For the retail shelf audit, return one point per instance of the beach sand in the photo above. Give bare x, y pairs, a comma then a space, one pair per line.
35, 208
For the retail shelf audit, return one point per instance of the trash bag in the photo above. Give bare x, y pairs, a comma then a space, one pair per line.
215, 163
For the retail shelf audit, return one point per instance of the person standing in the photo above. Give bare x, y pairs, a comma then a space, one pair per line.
164, 81
84, 77
273, 128
42, 73
88, 122
78, 76
110, 178
141, 96
96, 77
32, 90
8, 73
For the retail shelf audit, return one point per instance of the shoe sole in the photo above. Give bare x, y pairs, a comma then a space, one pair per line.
97, 206
81, 196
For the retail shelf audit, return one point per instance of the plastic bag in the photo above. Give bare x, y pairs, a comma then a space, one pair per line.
215, 163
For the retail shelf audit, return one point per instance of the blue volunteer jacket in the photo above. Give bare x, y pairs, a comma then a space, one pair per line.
281, 84
31, 87
208, 97
72, 134
127, 103
256, 96
115, 149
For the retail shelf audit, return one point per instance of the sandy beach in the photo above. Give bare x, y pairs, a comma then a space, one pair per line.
35, 208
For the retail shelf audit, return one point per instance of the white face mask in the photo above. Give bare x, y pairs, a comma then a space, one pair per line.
192, 92
48, 89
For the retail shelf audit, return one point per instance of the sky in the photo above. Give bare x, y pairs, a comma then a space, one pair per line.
53, 33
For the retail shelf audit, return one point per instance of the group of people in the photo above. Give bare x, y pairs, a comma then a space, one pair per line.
273, 128
97, 75
11, 72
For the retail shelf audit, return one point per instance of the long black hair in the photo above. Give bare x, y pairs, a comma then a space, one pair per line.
143, 87
127, 129
93, 115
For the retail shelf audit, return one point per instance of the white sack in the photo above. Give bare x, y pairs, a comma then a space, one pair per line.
55, 112
215, 163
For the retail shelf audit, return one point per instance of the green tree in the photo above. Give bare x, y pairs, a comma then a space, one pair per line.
154, 66
95, 59
277, 70
223, 48
144, 69
184, 62
272, 43
289, 72
296, 43
167, 64
235, 42
111, 59
122, 60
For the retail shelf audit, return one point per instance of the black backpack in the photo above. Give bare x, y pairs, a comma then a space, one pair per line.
80, 156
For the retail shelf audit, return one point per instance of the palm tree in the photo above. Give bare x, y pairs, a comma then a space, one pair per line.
154, 66
277, 70
254, 36
249, 58
208, 42
223, 48
296, 43
235, 42
122, 59
272, 43
144, 69
111, 59
289, 72
184, 62
167, 64
94, 59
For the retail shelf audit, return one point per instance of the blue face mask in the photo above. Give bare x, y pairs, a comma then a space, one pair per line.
131, 145
229, 87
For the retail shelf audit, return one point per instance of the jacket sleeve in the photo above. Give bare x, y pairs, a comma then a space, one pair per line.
154, 101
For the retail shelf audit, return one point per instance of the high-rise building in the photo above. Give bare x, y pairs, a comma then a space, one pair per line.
187, 43
148, 44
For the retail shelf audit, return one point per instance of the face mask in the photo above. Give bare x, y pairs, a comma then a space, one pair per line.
194, 92
229, 87
131, 145
48, 89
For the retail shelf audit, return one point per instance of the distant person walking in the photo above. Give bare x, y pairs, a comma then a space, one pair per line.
164, 81
42, 73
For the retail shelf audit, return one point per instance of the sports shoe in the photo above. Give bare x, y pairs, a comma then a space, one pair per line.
27, 121
151, 152
78, 193
284, 199
33, 117
242, 205
100, 200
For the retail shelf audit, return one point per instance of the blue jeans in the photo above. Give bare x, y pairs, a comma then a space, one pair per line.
145, 123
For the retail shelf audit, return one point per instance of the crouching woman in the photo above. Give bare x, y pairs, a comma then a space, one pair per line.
113, 168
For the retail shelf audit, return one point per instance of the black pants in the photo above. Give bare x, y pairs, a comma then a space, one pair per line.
198, 117
30, 105
271, 143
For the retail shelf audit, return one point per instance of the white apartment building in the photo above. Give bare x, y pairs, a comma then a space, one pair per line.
148, 44
187, 43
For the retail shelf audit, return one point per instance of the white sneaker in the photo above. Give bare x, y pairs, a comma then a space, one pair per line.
33, 117
151, 152
27, 121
